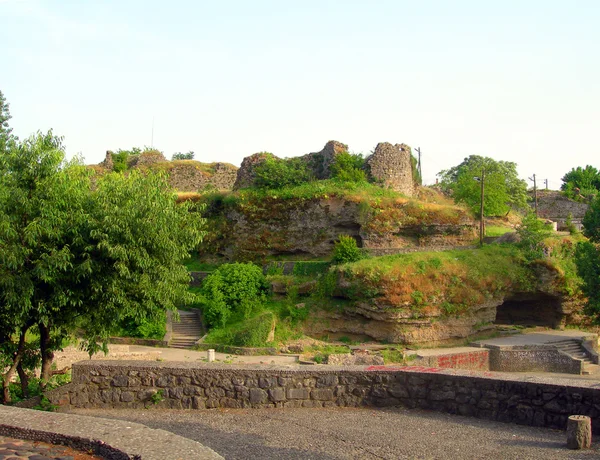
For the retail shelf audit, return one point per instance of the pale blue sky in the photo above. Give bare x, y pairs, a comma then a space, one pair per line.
513, 80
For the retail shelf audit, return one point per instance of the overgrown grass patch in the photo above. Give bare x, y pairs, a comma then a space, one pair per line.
430, 283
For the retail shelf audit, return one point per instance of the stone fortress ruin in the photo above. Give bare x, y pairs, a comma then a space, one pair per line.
389, 165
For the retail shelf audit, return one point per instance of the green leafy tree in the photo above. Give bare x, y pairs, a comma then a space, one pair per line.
6, 136
348, 167
587, 258
183, 156
73, 257
503, 188
275, 173
233, 289
581, 182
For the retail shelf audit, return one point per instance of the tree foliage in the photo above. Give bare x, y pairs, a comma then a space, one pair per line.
581, 182
6, 136
275, 173
532, 233
346, 250
348, 167
587, 257
503, 188
233, 289
183, 156
73, 257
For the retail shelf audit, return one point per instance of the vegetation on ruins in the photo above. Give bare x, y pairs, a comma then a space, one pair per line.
275, 173
504, 191
77, 258
346, 250
532, 233
348, 167
183, 156
236, 289
581, 183
588, 259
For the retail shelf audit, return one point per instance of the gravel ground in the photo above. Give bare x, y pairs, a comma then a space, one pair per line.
353, 433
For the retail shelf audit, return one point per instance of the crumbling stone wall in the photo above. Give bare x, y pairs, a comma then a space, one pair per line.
187, 176
247, 172
391, 166
555, 206
320, 162
501, 397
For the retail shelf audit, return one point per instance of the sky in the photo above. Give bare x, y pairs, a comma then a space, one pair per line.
513, 80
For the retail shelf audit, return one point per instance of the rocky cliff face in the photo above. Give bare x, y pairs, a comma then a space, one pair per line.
542, 305
273, 226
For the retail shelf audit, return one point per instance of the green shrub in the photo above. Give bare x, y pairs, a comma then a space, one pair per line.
532, 233
348, 167
346, 250
274, 173
233, 289
255, 331
310, 268
570, 225
146, 328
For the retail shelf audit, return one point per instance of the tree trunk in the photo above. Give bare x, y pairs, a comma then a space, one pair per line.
579, 432
24, 380
47, 354
13, 368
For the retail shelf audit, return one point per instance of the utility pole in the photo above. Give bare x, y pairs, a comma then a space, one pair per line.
418, 150
481, 223
481, 180
535, 194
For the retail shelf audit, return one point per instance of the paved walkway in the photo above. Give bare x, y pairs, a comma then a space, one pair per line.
19, 449
175, 354
534, 338
368, 434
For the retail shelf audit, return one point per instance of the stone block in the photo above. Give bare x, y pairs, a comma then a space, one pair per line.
267, 382
198, 402
119, 381
327, 381
127, 396
321, 394
277, 394
297, 393
258, 396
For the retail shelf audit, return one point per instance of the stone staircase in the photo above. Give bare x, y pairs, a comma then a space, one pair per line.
187, 331
574, 349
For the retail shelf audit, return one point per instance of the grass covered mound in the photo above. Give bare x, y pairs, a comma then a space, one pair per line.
436, 283
255, 224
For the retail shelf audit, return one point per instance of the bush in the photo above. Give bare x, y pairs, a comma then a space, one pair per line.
274, 173
348, 167
532, 233
146, 328
346, 250
233, 289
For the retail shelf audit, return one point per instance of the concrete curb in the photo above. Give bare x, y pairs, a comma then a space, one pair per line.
113, 439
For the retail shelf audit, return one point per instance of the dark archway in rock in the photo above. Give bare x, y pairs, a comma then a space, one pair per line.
536, 309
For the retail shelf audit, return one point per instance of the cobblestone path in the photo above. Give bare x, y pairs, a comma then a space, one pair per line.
19, 449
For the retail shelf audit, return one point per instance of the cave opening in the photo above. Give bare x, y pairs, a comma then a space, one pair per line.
530, 310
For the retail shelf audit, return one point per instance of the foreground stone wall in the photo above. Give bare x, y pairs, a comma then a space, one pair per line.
495, 396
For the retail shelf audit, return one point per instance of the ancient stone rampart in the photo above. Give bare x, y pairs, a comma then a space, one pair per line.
391, 166
495, 396
555, 206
